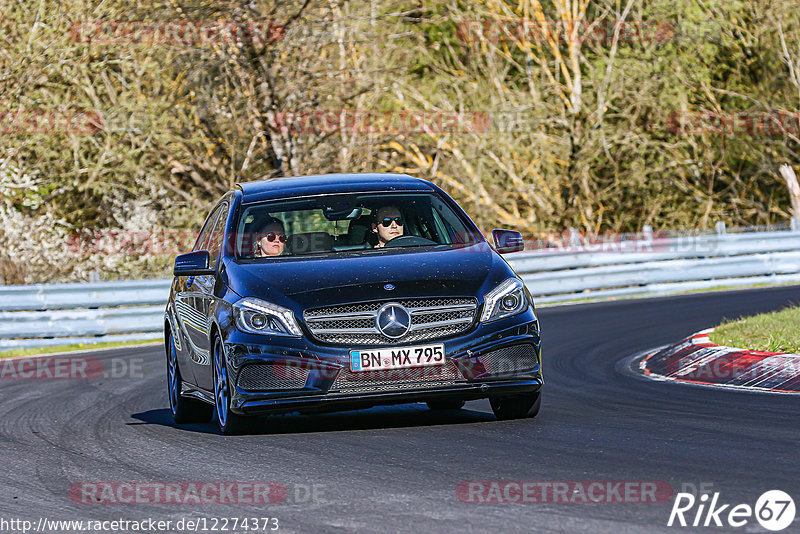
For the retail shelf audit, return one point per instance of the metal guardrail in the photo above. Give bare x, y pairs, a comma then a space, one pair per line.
646, 265
65, 323
58, 314
62, 314
645, 248
90, 295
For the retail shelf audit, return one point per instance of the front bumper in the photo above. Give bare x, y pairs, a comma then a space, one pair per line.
315, 368
323, 403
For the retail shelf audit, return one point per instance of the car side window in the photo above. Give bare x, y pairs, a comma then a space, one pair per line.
217, 235
202, 237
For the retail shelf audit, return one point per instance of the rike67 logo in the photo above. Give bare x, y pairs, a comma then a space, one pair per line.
774, 510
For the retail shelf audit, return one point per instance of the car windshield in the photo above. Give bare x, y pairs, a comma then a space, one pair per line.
339, 224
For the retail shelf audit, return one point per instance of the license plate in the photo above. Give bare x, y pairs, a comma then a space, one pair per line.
396, 358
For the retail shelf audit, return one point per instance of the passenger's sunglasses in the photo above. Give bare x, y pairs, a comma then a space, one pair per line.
272, 236
387, 221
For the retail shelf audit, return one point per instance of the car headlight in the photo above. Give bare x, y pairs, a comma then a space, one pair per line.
257, 316
505, 300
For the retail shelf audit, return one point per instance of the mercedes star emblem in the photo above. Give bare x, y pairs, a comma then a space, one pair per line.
393, 320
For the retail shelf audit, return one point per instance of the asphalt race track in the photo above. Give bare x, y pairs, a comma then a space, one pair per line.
396, 469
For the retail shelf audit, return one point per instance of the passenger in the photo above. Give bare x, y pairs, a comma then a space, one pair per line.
271, 239
387, 224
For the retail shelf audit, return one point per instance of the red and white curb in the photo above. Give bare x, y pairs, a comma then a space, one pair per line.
697, 360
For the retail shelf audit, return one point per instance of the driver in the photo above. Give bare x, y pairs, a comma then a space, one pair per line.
271, 238
388, 224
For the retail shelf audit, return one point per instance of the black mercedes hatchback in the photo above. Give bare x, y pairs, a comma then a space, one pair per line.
338, 292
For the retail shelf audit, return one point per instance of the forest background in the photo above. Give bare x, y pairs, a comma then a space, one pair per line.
122, 122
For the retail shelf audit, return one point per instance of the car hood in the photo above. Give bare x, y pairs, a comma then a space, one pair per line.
320, 281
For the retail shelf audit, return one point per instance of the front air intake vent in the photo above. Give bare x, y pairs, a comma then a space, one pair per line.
510, 359
268, 377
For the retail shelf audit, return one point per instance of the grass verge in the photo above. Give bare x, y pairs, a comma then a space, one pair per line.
36, 351
774, 332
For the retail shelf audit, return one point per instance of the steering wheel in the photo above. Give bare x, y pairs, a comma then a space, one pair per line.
409, 241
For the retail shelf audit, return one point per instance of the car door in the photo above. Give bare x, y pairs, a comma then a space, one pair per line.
189, 308
204, 297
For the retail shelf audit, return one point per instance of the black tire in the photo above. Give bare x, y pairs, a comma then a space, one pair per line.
229, 423
516, 406
184, 410
445, 404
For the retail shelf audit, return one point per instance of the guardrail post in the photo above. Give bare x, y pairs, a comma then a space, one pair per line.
794, 188
721, 228
647, 239
795, 224
574, 239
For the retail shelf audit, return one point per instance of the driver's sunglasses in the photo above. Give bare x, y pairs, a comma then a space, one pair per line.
272, 236
387, 221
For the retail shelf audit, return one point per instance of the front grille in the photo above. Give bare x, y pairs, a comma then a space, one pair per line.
510, 359
353, 325
397, 379
266, 377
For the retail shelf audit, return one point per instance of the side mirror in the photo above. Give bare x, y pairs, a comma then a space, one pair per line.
193, 264
506, 241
